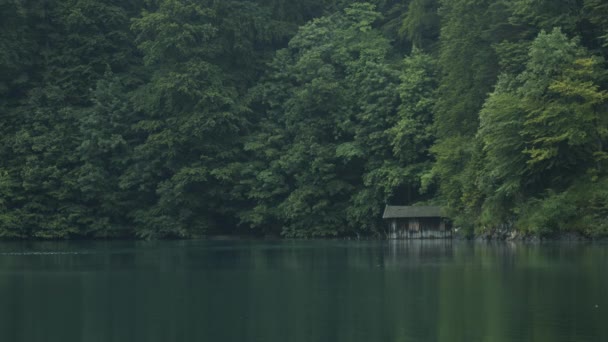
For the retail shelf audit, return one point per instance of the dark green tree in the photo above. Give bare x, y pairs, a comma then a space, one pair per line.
327, 103
73, 43
469, 69
421, 24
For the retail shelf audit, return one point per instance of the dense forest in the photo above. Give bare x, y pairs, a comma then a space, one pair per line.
182, 118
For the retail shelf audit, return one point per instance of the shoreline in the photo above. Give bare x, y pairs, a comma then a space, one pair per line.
515, 236
491, 236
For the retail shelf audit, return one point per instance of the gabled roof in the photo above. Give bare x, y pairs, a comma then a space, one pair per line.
397, 211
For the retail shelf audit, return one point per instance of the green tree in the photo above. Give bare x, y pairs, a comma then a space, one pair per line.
596, 11
186, 121
104, 136
504, 177
421, 24
469, 70
69, 55
327, 104
543, 134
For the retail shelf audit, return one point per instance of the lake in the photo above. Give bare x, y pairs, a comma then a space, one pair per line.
241, 290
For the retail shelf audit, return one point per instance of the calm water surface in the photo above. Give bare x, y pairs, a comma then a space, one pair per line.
302, 291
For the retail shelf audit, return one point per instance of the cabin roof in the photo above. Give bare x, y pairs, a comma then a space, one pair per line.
398, 211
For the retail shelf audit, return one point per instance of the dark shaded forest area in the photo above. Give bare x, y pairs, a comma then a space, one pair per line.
182, 118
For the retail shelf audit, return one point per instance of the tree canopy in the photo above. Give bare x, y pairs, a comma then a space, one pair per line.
182, 118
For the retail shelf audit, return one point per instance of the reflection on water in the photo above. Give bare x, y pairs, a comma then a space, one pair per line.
302, 291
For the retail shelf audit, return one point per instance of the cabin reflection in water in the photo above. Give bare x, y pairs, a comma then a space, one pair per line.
406, 222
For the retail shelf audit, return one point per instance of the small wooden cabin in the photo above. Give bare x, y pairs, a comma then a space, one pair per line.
406, 222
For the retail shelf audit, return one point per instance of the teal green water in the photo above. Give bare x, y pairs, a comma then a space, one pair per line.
302, 291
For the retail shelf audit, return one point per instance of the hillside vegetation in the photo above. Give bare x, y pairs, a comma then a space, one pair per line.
182, 118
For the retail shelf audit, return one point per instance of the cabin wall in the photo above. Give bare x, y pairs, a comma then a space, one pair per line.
419, 228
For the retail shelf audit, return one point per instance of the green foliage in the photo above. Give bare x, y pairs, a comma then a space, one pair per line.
179, 118
542, 132
413, 133
469, 67
468, 63
580, 208
330, 108
547, 14
421, 24
596, 11
503, 177
564, 127
179, 154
